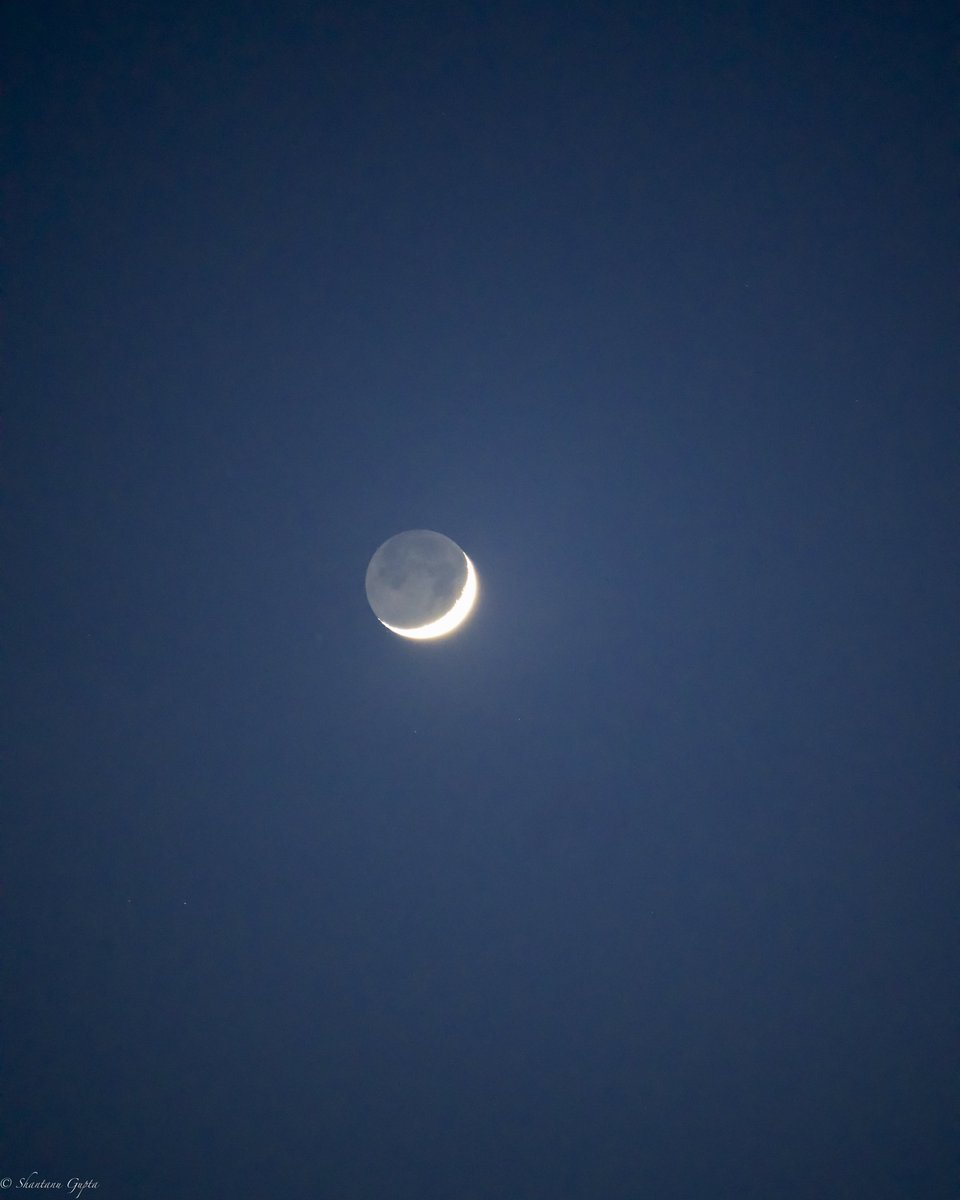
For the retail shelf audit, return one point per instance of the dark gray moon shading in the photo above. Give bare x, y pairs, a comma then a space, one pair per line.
415, 578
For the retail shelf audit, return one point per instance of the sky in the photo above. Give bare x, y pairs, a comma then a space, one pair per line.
643, 883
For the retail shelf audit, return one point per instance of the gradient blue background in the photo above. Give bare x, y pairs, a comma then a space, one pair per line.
646, 883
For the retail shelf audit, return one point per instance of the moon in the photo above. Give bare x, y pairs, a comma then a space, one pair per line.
421, 585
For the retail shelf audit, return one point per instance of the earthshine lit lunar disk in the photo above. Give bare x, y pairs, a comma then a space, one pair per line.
420, 584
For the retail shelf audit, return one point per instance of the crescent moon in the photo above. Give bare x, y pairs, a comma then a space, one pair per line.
450, 619
421, 585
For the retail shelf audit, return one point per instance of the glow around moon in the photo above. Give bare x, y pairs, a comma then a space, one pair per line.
421, 585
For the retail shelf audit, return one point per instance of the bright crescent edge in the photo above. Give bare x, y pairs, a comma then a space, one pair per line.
451, 618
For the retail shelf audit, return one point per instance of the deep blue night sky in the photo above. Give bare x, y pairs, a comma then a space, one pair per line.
643, 884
